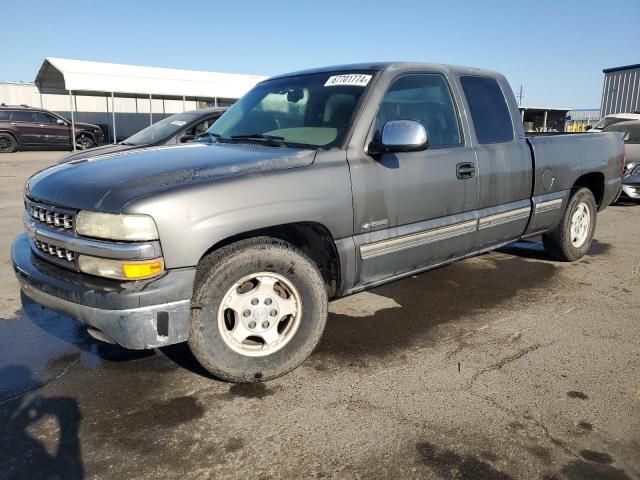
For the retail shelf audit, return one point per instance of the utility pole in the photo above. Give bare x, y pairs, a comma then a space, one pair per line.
520, 95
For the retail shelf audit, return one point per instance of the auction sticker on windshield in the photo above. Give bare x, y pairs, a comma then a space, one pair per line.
353, 79
179, 123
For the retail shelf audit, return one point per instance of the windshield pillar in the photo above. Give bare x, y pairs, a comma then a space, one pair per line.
113, 116
150, 111
72, 137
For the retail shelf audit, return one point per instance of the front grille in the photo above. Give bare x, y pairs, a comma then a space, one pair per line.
55, 251
50, 215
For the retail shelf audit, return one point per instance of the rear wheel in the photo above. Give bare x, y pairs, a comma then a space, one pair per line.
571, 239
260, 307
84, 142
7, 143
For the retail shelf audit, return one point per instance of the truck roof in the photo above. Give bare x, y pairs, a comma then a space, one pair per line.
393, 66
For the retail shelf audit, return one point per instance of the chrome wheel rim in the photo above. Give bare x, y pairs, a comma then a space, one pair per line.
259, 314
580, 225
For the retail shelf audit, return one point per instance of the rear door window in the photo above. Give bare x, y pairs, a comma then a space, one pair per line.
489, 110
21, 116
4, 115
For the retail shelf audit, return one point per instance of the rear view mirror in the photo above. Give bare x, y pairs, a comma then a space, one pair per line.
400, 136
60, 122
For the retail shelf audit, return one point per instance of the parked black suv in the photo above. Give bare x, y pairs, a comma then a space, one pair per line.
176, 129
23, 127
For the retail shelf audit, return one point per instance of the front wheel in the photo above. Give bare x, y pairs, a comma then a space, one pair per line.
84, 142
259, 310
571, 239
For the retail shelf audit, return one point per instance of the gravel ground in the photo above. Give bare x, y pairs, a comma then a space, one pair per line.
507, 365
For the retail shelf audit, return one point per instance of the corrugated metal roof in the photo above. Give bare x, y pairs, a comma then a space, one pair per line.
549, 109
85, 76
616, 69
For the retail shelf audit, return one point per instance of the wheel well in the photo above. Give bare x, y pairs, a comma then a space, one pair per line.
85, 132
4, 132
311, 238
594, 181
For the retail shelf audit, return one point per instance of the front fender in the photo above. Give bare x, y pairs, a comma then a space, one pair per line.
193, 219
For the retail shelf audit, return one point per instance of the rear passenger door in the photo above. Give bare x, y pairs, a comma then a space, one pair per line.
415, 209
505, 171
27, 130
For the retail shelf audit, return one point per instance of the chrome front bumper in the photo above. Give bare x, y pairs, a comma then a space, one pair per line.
631, 191
135, 328
136, 315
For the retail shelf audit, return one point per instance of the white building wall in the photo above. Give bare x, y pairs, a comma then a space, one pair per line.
132, 114
13, 93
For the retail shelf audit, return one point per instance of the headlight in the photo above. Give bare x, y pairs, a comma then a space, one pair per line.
120, 269
116, 227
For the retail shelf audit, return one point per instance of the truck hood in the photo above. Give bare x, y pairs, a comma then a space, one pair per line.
108, 182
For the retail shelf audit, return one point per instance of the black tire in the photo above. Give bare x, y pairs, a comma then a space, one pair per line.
8, 144
84, 141
558, 243
218, 272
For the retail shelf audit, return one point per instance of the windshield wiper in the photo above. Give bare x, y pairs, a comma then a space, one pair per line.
270, 139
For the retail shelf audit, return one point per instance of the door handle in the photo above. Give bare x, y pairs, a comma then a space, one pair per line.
465, 170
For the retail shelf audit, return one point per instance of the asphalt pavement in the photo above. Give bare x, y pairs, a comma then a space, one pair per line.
507, 365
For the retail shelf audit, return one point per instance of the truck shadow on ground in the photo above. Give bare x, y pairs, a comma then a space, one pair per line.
24, 456
412, 308
535, 249
460, 291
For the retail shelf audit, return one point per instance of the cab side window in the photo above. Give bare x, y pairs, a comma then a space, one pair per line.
489, 110
424, 98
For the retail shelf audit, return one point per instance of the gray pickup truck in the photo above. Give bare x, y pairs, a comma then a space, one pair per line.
315, 185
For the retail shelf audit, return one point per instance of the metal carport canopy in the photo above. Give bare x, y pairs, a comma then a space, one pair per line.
61, 74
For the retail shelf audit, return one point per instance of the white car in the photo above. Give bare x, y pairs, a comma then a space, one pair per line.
613, 119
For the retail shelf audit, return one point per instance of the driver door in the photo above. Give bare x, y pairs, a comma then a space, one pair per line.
416, 209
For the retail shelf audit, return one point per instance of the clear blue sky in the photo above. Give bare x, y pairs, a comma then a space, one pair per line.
555, 49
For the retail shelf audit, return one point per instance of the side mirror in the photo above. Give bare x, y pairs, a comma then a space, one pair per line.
60, 122
187, 138
400, 136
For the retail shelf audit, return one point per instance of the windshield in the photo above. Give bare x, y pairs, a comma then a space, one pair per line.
161, 130
608, 121
307, 111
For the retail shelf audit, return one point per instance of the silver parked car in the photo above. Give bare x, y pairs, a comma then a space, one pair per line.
631, 179
613, 119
